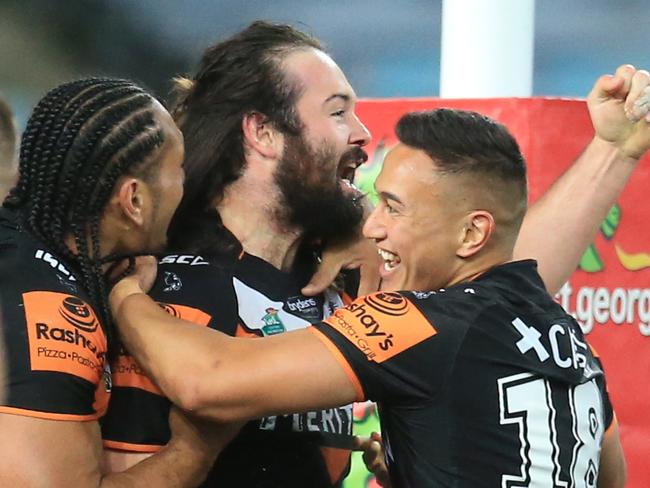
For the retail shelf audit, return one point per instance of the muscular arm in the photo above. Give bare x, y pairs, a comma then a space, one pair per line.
225, 378
59, 453
583, 195
116, 461
612, 472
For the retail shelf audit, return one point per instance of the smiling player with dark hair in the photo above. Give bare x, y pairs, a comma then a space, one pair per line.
481, 377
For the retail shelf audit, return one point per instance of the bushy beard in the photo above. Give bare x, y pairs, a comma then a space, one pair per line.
313, 198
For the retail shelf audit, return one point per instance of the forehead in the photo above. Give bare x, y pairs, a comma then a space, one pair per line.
405, 166
318, 75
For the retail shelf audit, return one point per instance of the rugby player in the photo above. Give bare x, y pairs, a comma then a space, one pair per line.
269, 125
454, 362
271, 140
95, 158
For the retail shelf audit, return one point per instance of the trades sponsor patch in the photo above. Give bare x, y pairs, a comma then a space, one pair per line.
382, 325
64, 335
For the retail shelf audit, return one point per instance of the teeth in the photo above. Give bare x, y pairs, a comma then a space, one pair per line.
386, 255
390, 260
350, 184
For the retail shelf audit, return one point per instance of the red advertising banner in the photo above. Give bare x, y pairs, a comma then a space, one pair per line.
610, 292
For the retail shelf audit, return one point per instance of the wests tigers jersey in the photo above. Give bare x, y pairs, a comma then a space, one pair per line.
52, 341
244, 297
487, 383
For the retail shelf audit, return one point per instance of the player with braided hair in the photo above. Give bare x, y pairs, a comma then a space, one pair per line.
96, 156
78, 179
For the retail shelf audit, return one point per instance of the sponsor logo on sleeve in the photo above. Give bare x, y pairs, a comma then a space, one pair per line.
382, 325
64, 335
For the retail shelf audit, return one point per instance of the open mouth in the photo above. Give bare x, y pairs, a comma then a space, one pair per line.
348, 167
347, 174
391, 260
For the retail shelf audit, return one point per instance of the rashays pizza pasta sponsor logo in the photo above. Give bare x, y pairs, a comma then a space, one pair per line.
382, 325
390, 303
64, 335
369, 313
78, 313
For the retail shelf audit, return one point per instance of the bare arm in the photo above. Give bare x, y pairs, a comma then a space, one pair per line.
582, 197
116, 461
220, 435
58, 453
586, 191
227, 378
612, 472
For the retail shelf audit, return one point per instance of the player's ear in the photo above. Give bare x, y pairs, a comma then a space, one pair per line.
261, 135
130, 199
478, 227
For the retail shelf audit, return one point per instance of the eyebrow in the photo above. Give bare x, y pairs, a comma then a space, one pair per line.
390, 196
343, 96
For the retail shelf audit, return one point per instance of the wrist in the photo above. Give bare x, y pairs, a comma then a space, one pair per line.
121, 291
618, 151
195, 463
200, 454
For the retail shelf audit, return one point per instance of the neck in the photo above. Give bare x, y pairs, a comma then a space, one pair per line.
107, 246
480, 265
251, 210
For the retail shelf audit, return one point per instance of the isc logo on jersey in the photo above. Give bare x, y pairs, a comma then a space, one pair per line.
64, 335
54, 263
382, 325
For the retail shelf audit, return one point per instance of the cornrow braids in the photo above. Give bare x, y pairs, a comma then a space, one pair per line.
81, 137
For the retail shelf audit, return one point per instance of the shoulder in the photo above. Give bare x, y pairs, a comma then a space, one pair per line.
195, 288
190, 273
460, 304
26, 264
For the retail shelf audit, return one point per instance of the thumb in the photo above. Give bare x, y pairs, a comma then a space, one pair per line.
324, 277
608, 86
359, 443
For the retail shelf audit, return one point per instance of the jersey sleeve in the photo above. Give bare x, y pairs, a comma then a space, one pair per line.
387, 345
137, 417
55, 349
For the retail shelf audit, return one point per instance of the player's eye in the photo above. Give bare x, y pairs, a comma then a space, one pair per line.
390, 209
